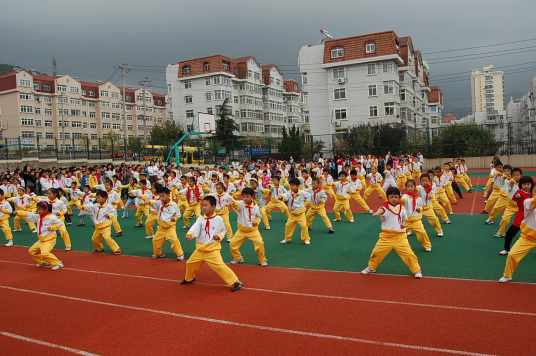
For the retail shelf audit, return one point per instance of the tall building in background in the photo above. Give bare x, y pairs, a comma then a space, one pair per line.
487, 90
369, 79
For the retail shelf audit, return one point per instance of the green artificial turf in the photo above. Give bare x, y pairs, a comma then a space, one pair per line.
468, 249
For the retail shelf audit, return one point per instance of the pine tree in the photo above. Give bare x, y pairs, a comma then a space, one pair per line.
226, 128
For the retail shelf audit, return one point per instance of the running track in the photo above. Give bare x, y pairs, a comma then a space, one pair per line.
102, 304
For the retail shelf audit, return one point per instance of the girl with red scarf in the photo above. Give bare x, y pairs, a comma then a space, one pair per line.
413, 205
193, 197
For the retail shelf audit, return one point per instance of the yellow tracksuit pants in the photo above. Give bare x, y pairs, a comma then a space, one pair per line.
64, 233
521, 248
6, 229
415, 224
359, 200
429, 214
342, 204
509, 212
152, 219
211, 255
375, 188
501, 204
103, 232
462, 182
41, 250
142, 211
443, 199
166, 232
115, 224
398, 241
320, 210
439, 210
492, 199
297, 218
450, 193
191, 211
248, 233
17, 225
467, 180
276, 204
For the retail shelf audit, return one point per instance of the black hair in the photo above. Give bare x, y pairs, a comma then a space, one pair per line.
54, 191
1, 192
248, 191
411, 181
163, 190
517, 170
392, 191
424, 175
102, 194
342, 173
276, 177
507, 166
353, 172
294, 181
525, 180
211, 200
44, 204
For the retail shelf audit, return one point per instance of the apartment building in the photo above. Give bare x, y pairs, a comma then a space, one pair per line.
487, 90
370, 79
47, 111
435, 109
262, 101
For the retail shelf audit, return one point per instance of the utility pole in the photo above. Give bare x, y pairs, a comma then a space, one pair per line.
143, 83
60, 104
124, 71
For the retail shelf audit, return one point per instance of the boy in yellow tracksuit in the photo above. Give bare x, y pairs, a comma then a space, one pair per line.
275, 198
152, 217
143, 197
100, 213
167, 214
248, 219
501, 182
260, 199
393, 236
114, 198
413, 205
47, 225
343, 191
5, 213
358, 187
223, 202
525, 243
441, 181
193, 193
59, 208
296, 200
318, 198
426, 194
209, 231
510, 187
494, 182
22, 202
374, 180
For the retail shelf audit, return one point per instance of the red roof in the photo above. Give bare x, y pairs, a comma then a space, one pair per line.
45, 83
435, 96
240, 66
266, 68
204, 65
8, 81
354, 47
291, 86
449, 118
406, 47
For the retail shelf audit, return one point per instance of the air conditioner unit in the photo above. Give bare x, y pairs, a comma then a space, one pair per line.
341, 80
338, 124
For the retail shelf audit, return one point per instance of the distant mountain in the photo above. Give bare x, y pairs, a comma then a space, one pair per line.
4, 68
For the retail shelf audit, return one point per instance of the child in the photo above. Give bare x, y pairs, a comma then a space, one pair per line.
59, 208
208, 231
22, 202
494, 183
357, 188
47, 225
426, 194
275, 201
100, 213
193, 197
441, 181
510, 188
501, 182
413, 205
296, 205
167, 215
343, 191
248, 219
525, 243
152, 216
143, 196
223, 201
523, 193
393, 236
260, 199
114, 199
374, 180
318, 199
5, 212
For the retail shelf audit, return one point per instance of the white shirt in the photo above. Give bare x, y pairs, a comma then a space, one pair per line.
99, 213
318, 197
393, 218
168, 212
222, 201
45, 224
344, 189
247, 214
5, 205
204, 230
375, 178
411, 208
356, 184
530, 214
296, 201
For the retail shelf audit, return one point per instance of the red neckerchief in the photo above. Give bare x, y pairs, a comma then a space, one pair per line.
315, 191
387, 206
162, 207
219, 200
414, 195
292, 196
196, 192
427, 189
249, 211
207, 224
40, 225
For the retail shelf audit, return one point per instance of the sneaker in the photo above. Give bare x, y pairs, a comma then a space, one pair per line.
337, 220
119, 234
440, 234
138, 225
351, 221
367, 270
409, 232
418, 275
67, 249
42, 265
98, 251
489, 222
17, 230
267, 228
149, 237
184, 281
57, 267
68, 223
236, 286
331, 231
371, 211
283, 242
448, 222
503, 253
307, 242
117, 253
160, 256
451, 213
264, 264
180, 258
235, 262
429, 249
504, 279
9, 243
34, 231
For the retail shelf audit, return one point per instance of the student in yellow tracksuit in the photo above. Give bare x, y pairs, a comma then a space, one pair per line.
47, 225
5, 213
426, 194
152, 217
525, 243
143, 196
100, 213
209, 231
465, 175
501, 182
413, 205
441, 182
22, 202
167, 214
114, 198
260, 199
393, 236
495, 187
275, 198
223, 202
343, 191
193, 193
296, 200
248, 219
510, 187
318, 198
374, 184
358, 187
59, 208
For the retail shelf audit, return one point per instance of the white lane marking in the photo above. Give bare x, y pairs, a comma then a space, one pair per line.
46, 343
247, 325
303, 294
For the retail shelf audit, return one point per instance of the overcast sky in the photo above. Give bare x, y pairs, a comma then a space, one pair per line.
89, 37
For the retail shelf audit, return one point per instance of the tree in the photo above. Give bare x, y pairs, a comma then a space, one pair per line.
165, 134
464, 140
135, 144
226, 128
292, 143
377, 139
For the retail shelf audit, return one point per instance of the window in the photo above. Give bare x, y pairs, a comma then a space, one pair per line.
338, 73
371, 68
38, 123
388, 87
337, 52
339, 93
38, 110
48, 123
236, 99
209, 111
206, 67
304, 78
49, 135
226, 66
62, 88
26, 109
387, 67
104, 93
189, 114
389, 109
186, 70
207, 81
92, 125
92, 114
372, 90
373, 111
187, 84
25, 96
209, 95
106, 125
188, 99
340, 114
76, 124
26, 121
402, 94
370, 47
25, 83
